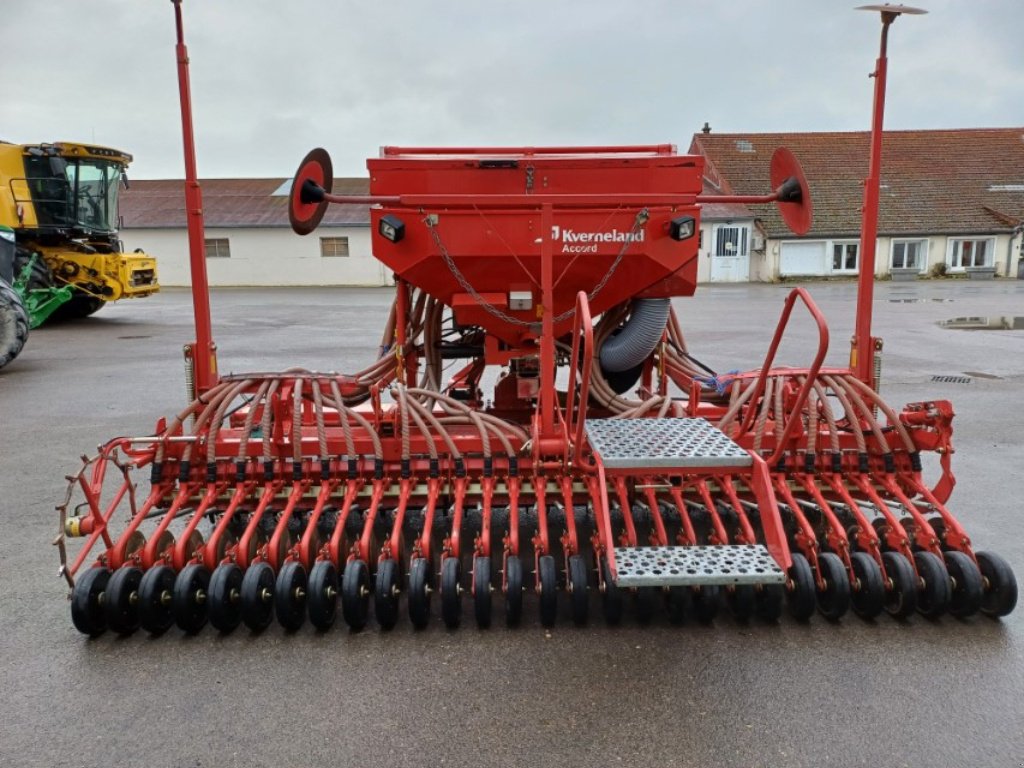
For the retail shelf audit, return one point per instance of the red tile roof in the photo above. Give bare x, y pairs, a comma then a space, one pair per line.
966, 181
230, 203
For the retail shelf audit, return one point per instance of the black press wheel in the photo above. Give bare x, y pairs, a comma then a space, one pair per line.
678, 603
385, 593
645, 601
834, 596
547, 581
768, 602
742, 600
578, 599
935, 591
322, 596
258, 596
226, 597
451, 592
967, 583
290, 596
421, 584
121, 602
802, 589
901, 586
611, 597
191, 590
355, 594
868, 595
1000, 595
156, 592
482, 591
706, 599
87, 599
513, 590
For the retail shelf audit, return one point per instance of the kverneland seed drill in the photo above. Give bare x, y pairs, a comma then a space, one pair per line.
605, 457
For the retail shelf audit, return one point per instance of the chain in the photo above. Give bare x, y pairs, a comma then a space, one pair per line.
431, 221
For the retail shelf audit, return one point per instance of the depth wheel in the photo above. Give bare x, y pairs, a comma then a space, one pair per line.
706, 599
678, 603
645, 600
901, 590
355, 594
967, 583
156, 592
482, 591
834, 598
87, 599
611, 598
1000, 595
451, 592
768, 602
741, 600
322, 598
513, 590
936, 591
258, 596
547, 580
420, 586
191, 589
290, 596
385, 593
226, 597
121, 602
579, 600
802, 589
868, 596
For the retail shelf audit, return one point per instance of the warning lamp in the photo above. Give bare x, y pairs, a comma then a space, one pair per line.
391, 228
682, 228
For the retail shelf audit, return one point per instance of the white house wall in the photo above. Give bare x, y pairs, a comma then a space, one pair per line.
266, 256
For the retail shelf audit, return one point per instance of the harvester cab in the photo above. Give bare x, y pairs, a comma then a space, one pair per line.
604, 458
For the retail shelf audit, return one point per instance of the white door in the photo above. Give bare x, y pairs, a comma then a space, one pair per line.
730, 253
802, 259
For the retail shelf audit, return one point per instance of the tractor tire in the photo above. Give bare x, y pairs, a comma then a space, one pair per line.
41, 275
13, 324
78, 306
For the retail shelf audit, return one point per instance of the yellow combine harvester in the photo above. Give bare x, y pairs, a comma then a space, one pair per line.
59, 201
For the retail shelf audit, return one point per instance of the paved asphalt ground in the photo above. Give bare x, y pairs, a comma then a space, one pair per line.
920, 693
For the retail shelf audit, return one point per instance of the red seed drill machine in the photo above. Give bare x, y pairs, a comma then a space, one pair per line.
605, 457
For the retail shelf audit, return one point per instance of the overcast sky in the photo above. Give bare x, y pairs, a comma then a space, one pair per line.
273, 78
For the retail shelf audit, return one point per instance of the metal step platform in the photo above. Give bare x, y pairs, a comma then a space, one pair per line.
722, 564
663, 443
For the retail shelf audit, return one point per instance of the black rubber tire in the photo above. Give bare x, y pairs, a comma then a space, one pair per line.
802, 590
547, 581
645, 603
834, 599
678, 604
612, 598
451, 592
742, 600
421, 584
87, 599
935, 593
579, 599
258, 596
482, 591
13, 324
226, 597
385, 593
322, 596
41, 275
768, 602
513, 590
290, 596
156, 591
1000, 594
78, 306
901, 591
968, 586
355, 594
121, 600
191, 591
868, 596
706, 601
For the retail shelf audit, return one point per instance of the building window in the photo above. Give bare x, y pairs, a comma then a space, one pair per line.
909, 254
844, 257
731, 241
333, 246
217, 248
970, 253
